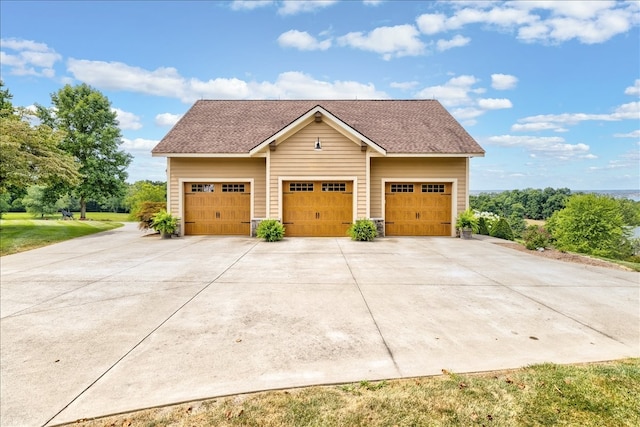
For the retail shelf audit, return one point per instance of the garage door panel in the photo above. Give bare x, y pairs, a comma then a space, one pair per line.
216, 211
317, 208
418, 209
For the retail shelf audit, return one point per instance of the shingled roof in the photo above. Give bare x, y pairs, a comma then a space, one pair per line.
398, 126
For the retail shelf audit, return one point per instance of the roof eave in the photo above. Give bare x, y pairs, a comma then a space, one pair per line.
480, 154
203, 155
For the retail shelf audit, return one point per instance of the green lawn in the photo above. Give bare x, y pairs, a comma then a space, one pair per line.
605, 394
20, 232
91, 216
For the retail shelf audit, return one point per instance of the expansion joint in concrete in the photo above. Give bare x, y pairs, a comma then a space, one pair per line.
364, 299
205, 287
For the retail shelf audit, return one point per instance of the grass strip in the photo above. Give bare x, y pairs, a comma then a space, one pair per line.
604, 394
18, 235
91, 216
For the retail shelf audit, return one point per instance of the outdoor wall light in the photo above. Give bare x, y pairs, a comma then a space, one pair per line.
318, 145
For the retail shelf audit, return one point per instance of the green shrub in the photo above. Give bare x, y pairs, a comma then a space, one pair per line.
145, 213
363, 230
467, 219
502, 230
517, 224
591, 224
164, 222
483, 227
536, 237
271, 230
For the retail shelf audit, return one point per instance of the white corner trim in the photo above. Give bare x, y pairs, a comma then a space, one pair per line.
168, 172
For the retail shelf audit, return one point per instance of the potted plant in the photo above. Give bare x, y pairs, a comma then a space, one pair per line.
467, 222
165, 223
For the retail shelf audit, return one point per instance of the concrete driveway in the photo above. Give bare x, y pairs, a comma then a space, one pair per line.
116, 321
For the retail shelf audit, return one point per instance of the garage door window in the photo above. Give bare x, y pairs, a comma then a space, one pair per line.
301, 186
202, 188
334, 186
233, 188
402, 188
433, 188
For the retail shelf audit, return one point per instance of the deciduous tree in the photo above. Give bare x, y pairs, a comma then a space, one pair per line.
92, 137
36, 202
30, 154
144, 191
590, 224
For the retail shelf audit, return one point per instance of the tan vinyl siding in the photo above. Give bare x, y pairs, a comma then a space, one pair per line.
221, 168
295, 157
407, 168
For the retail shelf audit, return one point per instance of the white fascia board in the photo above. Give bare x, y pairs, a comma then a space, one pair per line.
435, 154
339, 123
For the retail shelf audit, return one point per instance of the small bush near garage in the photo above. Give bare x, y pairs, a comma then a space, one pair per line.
536, 237
363, 230
502, 230
271, 230
486, 220
146, 211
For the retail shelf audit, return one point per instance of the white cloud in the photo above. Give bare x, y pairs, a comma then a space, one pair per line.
160, 82
454, 92
24, 45
633, 90
588, 22
632, 134
503, 81
494, 103
467, 115
401, 40
291, 7
302, 40
138, 144
371, 2
550, 146
475, 14
459, 92
167, 82
298, 85
629, 111
537, 127
628, 160
457, 41
539, 21
432, 23
29, 57
572, 9
167, 119
249, 4
127, 121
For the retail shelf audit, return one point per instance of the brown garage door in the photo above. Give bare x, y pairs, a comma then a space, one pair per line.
317, 208
418, 209
217, 208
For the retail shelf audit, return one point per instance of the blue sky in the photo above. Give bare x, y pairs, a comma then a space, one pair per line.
550, 89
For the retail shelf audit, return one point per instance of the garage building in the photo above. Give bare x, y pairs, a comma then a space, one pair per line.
317, 166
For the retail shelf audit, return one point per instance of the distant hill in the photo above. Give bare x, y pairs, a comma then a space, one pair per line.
627, 194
